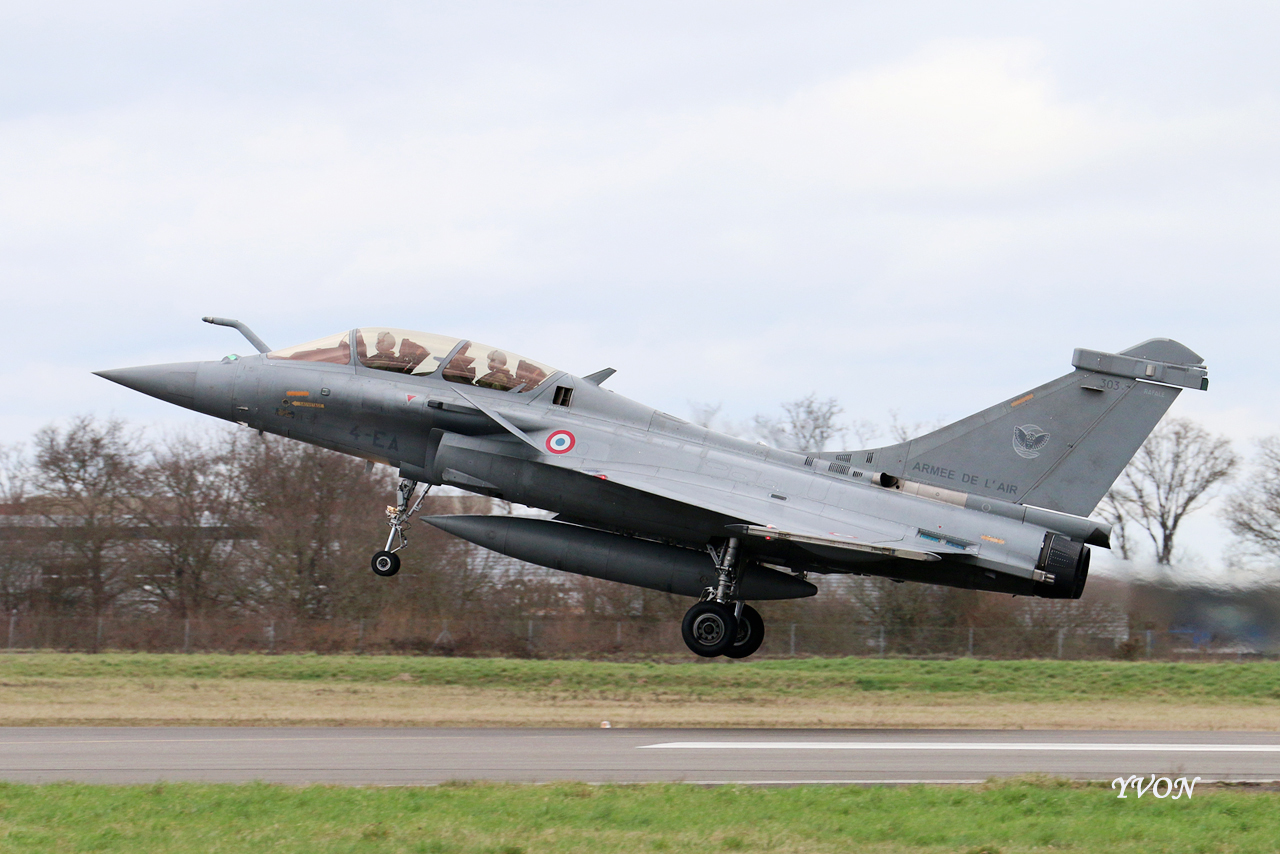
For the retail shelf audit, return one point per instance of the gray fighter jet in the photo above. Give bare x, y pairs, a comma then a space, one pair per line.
997, 501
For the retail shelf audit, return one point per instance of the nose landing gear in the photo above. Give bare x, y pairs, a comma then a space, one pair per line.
386, 563
722, 624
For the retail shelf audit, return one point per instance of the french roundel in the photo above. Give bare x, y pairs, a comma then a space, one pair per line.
560, 442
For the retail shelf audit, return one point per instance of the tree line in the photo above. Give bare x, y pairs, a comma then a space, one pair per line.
97, 518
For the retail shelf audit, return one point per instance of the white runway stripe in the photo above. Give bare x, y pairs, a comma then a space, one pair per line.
1097, 747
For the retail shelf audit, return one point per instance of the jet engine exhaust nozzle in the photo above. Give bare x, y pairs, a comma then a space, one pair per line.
1063, 568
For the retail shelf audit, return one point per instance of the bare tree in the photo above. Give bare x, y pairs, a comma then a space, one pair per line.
710, 415
1253, 511
899, 606
19, 572
807, 424
189, 514
864, 432
319, 517
445, 576
1115, 514
905, 431
87, 475
1174, 473
606, 600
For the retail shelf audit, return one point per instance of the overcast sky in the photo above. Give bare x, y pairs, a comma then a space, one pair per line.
919, 207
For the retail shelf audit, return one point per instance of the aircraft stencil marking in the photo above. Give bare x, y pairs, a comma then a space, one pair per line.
375, 438
940, 473
721, 530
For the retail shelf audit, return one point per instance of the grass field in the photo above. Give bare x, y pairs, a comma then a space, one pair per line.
53, 688
1007, 817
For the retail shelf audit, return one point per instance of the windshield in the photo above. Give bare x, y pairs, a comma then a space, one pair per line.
404, 351
335, 349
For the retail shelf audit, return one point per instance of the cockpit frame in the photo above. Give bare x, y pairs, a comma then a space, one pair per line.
456, 365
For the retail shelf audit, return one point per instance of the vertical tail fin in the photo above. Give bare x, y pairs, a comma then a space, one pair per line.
1061, 445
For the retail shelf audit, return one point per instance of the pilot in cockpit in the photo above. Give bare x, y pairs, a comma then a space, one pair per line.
498, 377
385, 358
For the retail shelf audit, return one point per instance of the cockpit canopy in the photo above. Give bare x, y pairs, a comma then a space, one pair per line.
421, 354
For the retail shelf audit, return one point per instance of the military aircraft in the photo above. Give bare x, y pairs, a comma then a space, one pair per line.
997, 501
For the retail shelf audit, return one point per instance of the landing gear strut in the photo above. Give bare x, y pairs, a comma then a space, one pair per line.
721, 623
386, 562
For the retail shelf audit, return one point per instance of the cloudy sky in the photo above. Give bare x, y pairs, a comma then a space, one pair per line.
920, 207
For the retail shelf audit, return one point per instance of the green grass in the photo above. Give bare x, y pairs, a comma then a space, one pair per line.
1005, 817
1025, 681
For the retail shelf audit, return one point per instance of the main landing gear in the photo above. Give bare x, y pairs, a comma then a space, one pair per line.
386, 562
721, 623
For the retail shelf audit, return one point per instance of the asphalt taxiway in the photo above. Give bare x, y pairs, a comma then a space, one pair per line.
426, 756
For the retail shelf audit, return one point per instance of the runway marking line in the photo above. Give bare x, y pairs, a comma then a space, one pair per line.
1101, 747
833, 781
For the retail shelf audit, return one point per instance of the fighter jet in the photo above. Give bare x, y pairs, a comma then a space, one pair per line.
998, 501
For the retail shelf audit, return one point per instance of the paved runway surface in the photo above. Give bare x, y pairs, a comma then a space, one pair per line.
418, 756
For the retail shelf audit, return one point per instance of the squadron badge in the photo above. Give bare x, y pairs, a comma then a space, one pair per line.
1029, 440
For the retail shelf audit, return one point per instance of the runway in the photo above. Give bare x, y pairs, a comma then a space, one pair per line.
427, 756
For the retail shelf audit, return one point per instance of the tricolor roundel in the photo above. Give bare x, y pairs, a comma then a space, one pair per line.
560, 442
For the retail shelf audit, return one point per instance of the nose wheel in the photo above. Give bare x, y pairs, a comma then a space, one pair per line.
386, 563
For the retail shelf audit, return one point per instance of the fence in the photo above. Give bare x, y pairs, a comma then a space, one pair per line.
561, 636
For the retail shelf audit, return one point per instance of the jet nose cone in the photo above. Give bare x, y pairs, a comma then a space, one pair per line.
174, 383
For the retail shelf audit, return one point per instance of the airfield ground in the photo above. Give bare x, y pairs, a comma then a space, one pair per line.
1018, 815
144, 689
997, 818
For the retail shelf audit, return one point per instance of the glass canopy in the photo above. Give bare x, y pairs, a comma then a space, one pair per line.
335, 349
403, 351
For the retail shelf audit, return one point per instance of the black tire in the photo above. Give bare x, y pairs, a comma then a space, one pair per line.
709, 628
385, 564
750, 634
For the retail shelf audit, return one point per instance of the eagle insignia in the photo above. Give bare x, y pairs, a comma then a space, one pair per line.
1029, 440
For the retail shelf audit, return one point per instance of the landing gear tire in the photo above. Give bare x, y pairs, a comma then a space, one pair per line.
709, 628
385, 564
750, 634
